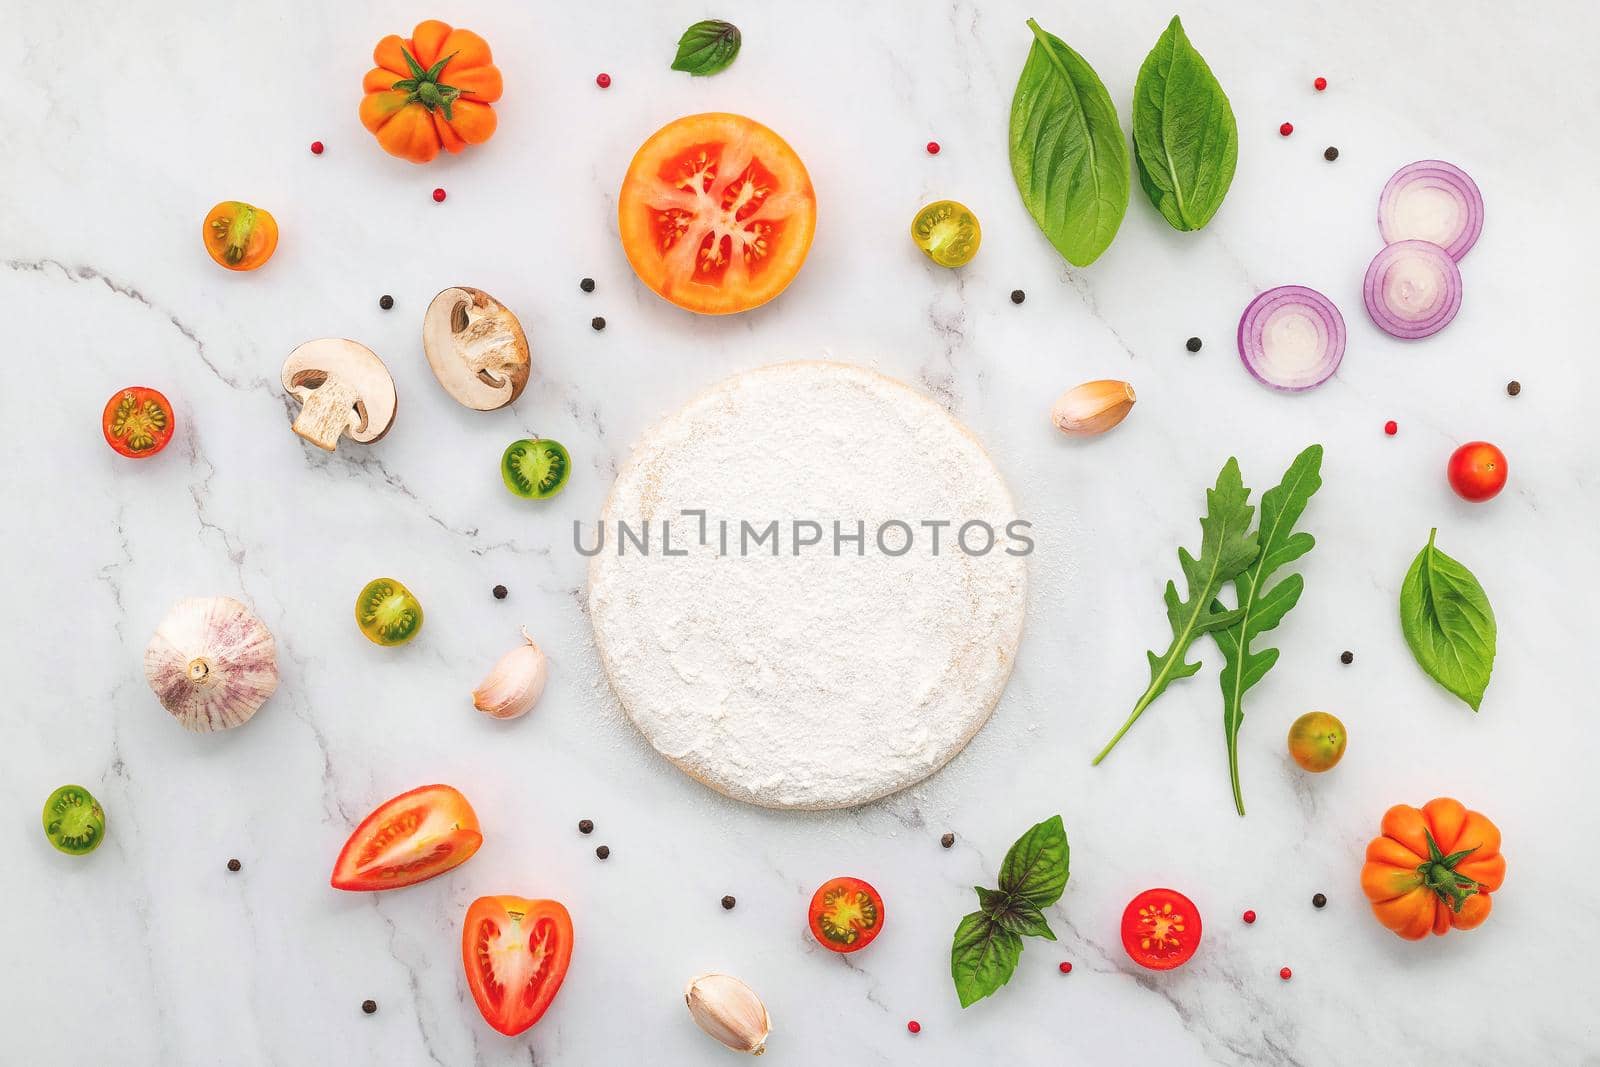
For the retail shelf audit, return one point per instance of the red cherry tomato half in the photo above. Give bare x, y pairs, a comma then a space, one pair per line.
846, 914
1160, 929
516, 954
1477, 471
409, 839
137, 422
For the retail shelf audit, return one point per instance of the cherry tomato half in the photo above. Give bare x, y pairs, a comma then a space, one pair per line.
1160, 929
846, 914
387, 612
239, 236
137, 422
409, 839
1477, 471
516, 954
948, 232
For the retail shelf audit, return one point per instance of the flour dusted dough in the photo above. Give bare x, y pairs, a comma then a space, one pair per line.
811, 680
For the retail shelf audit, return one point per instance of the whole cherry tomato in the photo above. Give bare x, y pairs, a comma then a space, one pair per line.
1477, 471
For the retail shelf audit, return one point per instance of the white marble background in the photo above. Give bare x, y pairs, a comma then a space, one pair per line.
120, 124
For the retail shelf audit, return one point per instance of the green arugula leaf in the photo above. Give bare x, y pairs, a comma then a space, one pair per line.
982, 958
1067, 153
1448, 623
1261, 608
1227, 546
707, 48
1185, 139
1035, 868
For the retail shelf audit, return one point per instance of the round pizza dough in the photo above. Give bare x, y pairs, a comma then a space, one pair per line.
806, 678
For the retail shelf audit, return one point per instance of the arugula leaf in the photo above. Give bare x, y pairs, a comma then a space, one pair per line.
988, 942
1448, 623
982, 958
1035, 868
1227, 545
707, 48
1067, 152
1260, 608
1185, 140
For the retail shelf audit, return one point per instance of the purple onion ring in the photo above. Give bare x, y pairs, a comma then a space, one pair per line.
1413, 289
1432, 200
1291, 338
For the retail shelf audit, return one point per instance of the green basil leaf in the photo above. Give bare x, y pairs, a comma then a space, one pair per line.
982, 957
1035, 869
707, 47
1185, 140
1448, 623
1067, 152
1025, 919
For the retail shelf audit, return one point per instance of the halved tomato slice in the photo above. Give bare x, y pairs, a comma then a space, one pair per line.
137, 422
1160, 929
516, 954
846, 914
409, 839
716, 213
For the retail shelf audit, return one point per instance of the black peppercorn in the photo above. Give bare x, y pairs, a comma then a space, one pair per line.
1018, 296
1193, 344
369, 1006
947, 840
604, 851
585, 826
1347, 656
1513, 388
386, 301
587, 285
1330, 153
234, 865
499, 592
728, 902
598, 323
1319, 901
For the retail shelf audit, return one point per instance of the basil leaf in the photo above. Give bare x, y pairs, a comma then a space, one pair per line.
1448, 623
1185, 140
1013, 914
1067, 152
982, 958
1035, 869
707, 47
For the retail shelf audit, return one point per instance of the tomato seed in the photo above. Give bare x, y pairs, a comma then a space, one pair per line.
728, 902
1320, 84
1513, 388
316, 148
585, 826
386, 301
1249, 917
499, 592
1319, 901
933, 148
1018, 296
914, 1026
1347, 657
604, 851
1192, 344
603, 80
438, 196
587, 285
369, 1006
234, 865
1391, 427
1065, 968
1286, 129
947, 840
1285, 973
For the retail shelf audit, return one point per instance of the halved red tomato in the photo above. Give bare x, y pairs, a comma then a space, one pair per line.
516, 954
1160, 929
409, 839
716, 213
137, 422
846, 914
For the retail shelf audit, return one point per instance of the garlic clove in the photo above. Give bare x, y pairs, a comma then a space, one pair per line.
729, 1011
1093, 407
515, 683
211, 663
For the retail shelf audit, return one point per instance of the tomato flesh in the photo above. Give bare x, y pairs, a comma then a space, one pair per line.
846, 914
716, 213
1477, 471
137, 422
1160, 929
409, 839
240, 236
516, 953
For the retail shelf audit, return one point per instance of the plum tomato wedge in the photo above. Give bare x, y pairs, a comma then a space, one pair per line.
846, 914
716, 213
409, 839
1160, 929
516, 954
137, 422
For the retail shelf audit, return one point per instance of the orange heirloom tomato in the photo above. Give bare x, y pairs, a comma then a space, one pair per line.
430, 92
1433, 868
240, 236
716, 213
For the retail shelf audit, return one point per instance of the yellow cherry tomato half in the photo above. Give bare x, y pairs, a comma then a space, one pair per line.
240, 236
1316, 741
948, 232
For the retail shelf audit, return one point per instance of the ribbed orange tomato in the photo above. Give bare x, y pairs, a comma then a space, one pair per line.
1433, 868
430, 92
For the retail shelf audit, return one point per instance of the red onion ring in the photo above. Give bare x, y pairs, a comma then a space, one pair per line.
1413, 289
1291, 338
1432, 200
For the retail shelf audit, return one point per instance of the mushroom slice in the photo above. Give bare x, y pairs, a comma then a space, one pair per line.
476, 348
343, 389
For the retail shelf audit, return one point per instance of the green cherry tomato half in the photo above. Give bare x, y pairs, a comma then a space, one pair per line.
387, 612
948, 232
1316, 741
74, 821
535, 469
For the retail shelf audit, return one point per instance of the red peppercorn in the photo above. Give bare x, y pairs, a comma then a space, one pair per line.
1286, 129
1286, 974
316, 148
933, 148
603, 80
1320, 84
914, 1026
438, 196
1391, 427
1249, 917
1066, 968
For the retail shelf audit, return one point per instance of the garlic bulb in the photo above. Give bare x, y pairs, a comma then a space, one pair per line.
729, 1011
211, 663
515, 684
1093, 407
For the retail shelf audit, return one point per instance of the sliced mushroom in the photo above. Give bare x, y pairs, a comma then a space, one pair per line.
343, 389
476, 348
